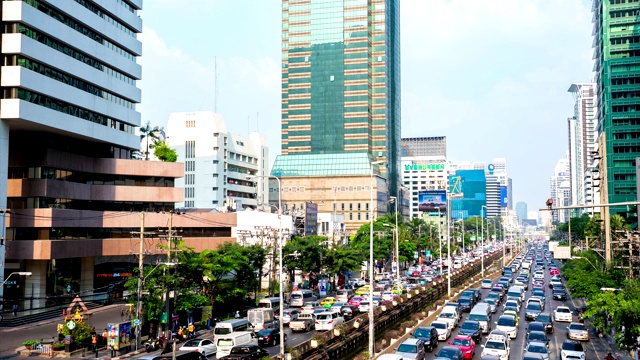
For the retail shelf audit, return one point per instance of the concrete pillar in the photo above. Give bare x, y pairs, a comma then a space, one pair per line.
35, 286
86, 275
4, 168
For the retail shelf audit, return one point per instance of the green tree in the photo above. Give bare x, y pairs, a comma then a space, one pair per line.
150, 133
406, 251
618, 223
164, 153
304, 253
382, 239
219, 269
340, 259
80, 333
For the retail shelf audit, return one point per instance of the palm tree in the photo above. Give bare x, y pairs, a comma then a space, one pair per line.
154, 133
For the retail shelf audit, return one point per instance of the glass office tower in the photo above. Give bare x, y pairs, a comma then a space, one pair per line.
340, 88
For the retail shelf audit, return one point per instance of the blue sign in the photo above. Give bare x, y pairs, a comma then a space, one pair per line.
136, 322
68, 288
428, 253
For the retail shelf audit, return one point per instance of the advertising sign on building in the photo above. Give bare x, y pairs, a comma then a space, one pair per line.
423, 167
311, 219
504, 197
432, 201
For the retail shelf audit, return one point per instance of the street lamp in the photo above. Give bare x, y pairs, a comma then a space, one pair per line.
20, 273
372, 337
584, 258
482, 236
395, 200
280, 213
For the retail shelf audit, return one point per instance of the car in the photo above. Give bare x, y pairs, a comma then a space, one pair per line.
289, 314
412, 348
471, 328
554, 271
205, 347
536, 299
364, 306
442, 328
495, 296
572, 350
546, 319
456, 306
537, 347
466, 344
507, 323
531, 356
247, 352
497, 346
428, 335
539, 293
539, 336
309, 306
512, 303
535, 326
388, 295
559, 293
562, 313
532, 310
328, 302
555, 283
465, 303
450, 352
450, 317
486, 284
493, 304
337, 306
512, 312
362, 290
349, 311
577, 331
355, 301
269, 337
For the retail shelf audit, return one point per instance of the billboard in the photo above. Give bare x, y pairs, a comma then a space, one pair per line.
432, 200
311, 219
504, 197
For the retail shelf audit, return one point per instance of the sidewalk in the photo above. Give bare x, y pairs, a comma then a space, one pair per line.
54, 320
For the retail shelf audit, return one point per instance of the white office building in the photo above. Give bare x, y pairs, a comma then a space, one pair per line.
583, 143
421, 173
221, 170
560, 186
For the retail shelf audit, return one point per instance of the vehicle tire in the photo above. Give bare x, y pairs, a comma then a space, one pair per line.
203, 356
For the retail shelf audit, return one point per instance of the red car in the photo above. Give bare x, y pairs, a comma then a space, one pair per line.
355, 301
466, 344
554, 271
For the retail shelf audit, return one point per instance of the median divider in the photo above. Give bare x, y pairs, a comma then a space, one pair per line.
349, 338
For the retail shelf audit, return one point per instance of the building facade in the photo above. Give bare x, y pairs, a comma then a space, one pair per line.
560, 186
616, 64
521, 210
222, 170
468, 191
340, 89
583, 142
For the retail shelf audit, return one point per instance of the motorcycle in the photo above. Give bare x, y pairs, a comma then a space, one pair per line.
152, 345
581, 317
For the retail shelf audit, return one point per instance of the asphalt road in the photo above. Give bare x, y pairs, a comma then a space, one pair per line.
596, 348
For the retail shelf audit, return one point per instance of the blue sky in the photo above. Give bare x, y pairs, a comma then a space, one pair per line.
491, 75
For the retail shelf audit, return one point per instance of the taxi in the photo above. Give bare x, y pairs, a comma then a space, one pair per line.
363, 290
398, 290
515, 315
328, 302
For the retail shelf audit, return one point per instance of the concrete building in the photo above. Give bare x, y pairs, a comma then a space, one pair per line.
560, 186
583, 142
468, 194
340, 102
616, 63
222, 170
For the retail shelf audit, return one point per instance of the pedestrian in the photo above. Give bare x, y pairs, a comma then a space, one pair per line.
15, 309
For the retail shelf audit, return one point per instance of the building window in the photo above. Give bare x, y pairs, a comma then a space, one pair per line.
215, 175
215, 188
342, 206
359, 208
301, 189
216, 134
366, 206
350, 216
359, 188
350, 206
366, 216
359, 216
214, 202
350, 188
335, 206
216, 148
215, 161
341, 188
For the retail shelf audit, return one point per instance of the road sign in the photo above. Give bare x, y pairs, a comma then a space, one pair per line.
428, 253
71, 324
473, 238
459, 239
136, 322
77, 301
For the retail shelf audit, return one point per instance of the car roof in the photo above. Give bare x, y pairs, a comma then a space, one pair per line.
463, 337
411, 341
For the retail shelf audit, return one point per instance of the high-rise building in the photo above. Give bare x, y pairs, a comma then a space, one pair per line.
340, 101
583, 142
424, 167
560, 186
221, 170
521, 210
616, 65
468, 193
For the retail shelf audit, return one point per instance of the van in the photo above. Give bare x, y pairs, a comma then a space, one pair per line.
482, 314
226, 342
299, 297
262, 318
450, 316
270, 303
516, 291
344, 295
230, 326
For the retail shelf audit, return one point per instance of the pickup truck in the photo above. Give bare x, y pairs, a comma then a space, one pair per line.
305, 322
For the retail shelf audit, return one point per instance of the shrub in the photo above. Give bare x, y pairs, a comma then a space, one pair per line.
391, 334
31, 342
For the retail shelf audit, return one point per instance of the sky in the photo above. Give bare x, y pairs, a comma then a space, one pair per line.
492, 75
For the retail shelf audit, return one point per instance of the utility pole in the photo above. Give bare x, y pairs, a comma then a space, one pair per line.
140, 254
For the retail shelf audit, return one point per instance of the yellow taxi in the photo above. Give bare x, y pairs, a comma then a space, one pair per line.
398, 290
515, 315
327, 302
363, 290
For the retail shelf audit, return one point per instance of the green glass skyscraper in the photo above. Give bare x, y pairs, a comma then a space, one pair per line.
340, 88
617, 69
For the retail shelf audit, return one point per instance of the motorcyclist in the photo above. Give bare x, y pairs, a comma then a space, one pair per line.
609, 357
180, 333
191, 330
237, 315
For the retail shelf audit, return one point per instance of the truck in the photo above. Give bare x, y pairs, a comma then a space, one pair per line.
305, 322
262, 318
552, 245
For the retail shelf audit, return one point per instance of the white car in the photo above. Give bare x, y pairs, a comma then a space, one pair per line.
512, 303
328, 320
562, 313
538, 275
443, 330
388, 296
364, 306
507, 323
496, 347
572, 350
205, 347
486, 284
289, 315
449, 317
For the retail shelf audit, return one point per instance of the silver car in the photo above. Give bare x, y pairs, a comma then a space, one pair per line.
540, 348
577, 331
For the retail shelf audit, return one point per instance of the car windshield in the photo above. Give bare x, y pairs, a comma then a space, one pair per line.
575, 326
225, 342
465, 301
572, 346
296, 296
439, 325
461, 342
447, 353
495, 345
421, 333
487, 281
489, 301
544, 318
469, 325
446, 315
407, 348
541, 349
534, 306
221, 331
323, 317
476, 317
506, 321
563, 310
192, 343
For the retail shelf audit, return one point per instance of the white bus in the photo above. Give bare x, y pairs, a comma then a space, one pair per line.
299, 297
